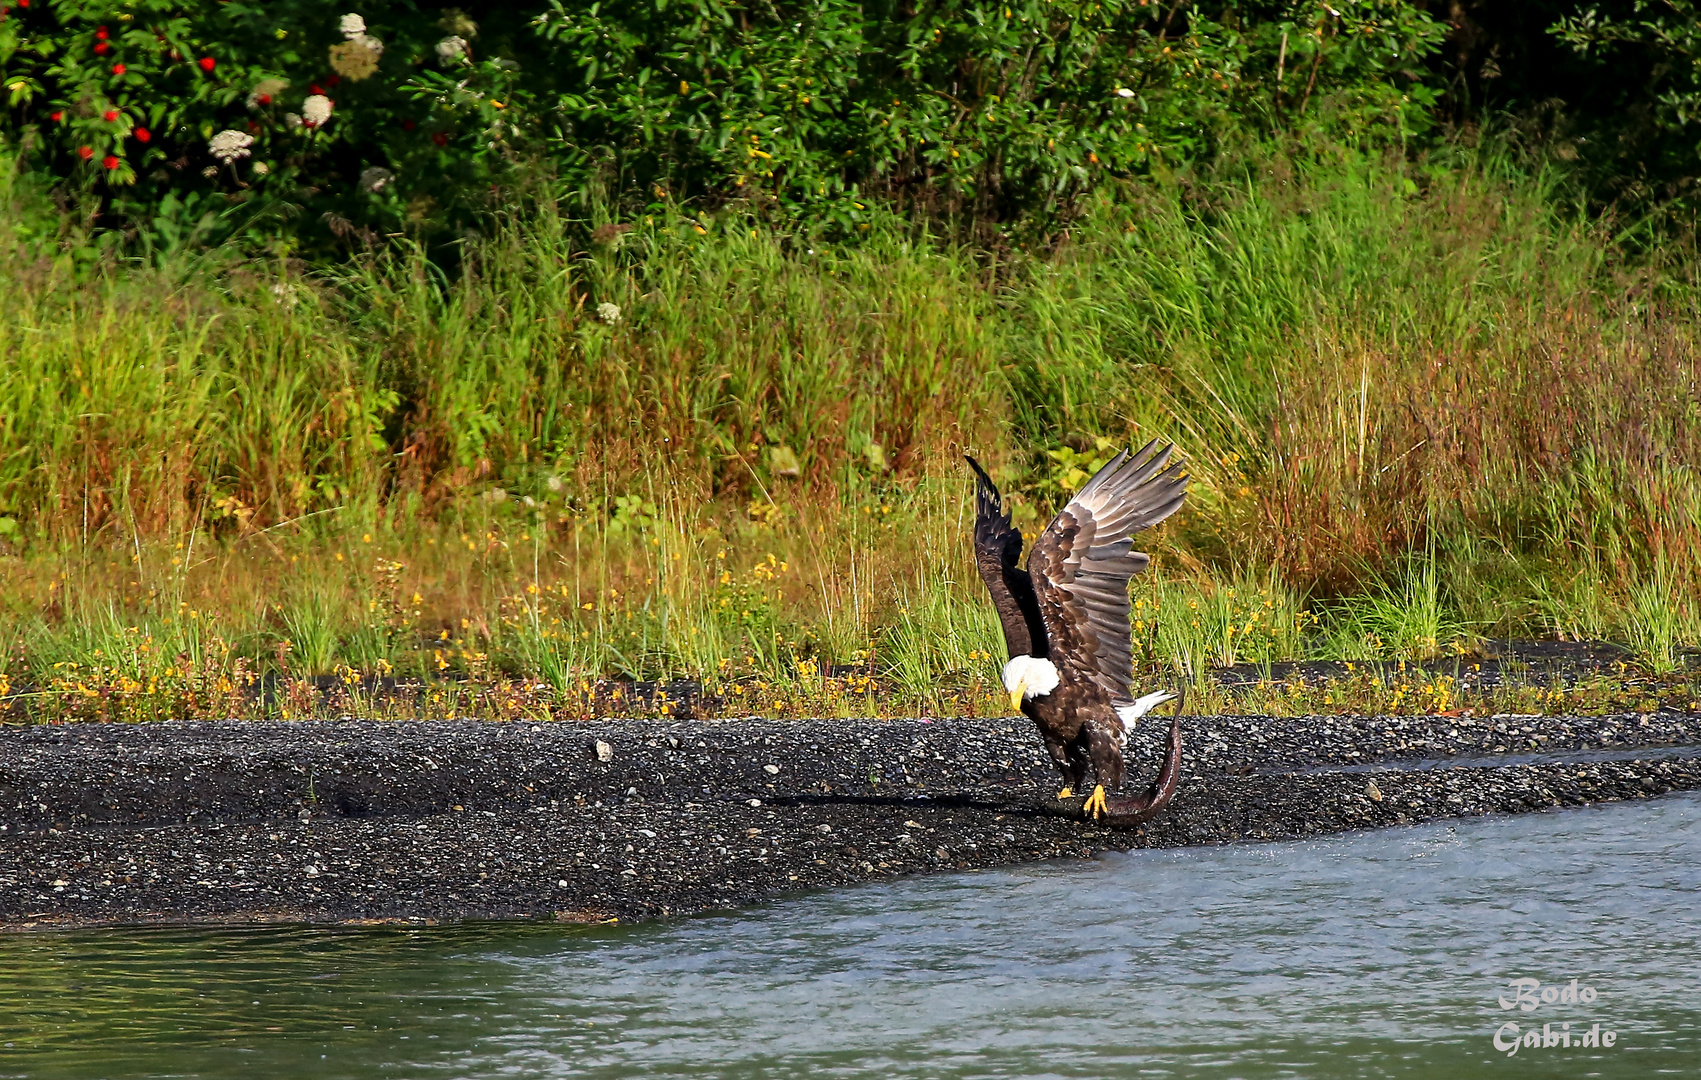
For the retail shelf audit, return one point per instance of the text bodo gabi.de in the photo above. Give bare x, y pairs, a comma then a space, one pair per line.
1529, 995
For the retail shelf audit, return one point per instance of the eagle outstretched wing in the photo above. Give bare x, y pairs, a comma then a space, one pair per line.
1081, 565
998, 555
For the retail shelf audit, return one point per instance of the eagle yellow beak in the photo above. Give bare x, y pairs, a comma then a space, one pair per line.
1016, 695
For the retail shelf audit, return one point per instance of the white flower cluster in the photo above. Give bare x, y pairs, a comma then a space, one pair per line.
357, 57
608, 313
230, 144
316, 110
451, 49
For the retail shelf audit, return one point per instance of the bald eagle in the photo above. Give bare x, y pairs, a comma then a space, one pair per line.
1065, 620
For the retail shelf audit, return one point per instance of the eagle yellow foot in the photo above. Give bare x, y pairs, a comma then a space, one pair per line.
1095, 804
1067, 792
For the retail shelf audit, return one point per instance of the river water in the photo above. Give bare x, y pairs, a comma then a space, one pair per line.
1377, 954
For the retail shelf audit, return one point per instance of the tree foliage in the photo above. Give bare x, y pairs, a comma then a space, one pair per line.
185, 115
997, 108
1655, 47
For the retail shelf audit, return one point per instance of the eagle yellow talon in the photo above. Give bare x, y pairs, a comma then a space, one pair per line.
1067, 792
1095, 804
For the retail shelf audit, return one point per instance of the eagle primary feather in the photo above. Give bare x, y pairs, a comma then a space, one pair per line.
1082, 563
1070, 608
998, 554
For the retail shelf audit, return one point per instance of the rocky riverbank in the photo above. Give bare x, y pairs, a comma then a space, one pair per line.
361, 821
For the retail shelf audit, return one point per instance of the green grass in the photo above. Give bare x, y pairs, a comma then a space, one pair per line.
1422, 402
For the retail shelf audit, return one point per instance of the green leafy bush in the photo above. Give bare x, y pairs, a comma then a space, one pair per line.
1650, 54
999, 109
219, 115
209, 116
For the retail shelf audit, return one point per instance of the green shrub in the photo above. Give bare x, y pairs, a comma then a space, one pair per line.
199, 118
207, 117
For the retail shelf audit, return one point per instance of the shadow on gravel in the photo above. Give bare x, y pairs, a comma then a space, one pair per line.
922, 802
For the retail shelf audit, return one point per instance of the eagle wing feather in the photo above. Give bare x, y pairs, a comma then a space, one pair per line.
1081, 565
998, 556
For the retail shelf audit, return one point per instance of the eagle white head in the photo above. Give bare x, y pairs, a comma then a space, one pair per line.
1029, 677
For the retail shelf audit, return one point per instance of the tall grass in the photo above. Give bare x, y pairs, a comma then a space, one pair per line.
1422, 402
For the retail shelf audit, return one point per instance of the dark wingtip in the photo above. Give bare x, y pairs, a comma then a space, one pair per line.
985, 489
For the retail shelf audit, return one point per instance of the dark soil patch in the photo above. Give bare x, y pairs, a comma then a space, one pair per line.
1500, 662
354, 820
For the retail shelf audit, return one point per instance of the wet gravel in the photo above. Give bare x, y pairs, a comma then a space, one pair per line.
352, 821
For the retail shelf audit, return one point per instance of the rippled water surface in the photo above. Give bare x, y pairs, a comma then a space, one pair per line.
1369, 955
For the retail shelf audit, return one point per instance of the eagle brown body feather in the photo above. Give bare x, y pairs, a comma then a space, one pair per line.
1070, 605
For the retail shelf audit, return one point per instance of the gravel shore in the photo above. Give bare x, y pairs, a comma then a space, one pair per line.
358, 821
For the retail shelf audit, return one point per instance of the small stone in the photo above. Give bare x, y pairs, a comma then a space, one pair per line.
755, 802
605, 752
562, 883
912, 824
1373, 791
771, 770
824, 828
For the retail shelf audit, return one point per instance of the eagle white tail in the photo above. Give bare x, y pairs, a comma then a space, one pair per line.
1141, 706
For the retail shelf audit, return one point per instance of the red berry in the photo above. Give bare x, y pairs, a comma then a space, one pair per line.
119, 69
109, 161
56, 115
333, 80
100, 34
109, 115
143, 135
315, 88
85, 153
441, 138
265, 99
408, 125
102, 48
208, 63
